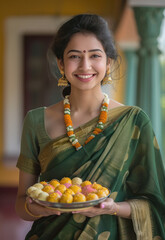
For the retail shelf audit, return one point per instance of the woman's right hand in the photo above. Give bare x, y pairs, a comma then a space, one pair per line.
38, 210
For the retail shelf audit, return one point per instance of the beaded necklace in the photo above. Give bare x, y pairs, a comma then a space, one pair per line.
69, 125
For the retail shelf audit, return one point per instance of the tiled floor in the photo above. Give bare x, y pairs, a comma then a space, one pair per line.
11, 226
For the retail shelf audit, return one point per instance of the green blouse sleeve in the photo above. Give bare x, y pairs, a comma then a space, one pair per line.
28, 158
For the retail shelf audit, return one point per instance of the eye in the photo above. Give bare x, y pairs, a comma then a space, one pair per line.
74, 57
95, 56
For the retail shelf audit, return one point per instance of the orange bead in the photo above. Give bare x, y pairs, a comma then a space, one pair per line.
105, 104
70, 133
89, 139
67, 105
77, 145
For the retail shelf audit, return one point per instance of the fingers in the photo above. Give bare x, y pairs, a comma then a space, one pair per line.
107, 204
29, 199
41, 209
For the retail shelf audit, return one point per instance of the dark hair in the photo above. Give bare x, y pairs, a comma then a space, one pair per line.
84, 23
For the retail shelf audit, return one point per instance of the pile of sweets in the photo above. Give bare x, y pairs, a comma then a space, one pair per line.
67, 191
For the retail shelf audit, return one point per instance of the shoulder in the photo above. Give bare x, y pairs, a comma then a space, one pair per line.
34, 115
140, 115
36, 111
137, 114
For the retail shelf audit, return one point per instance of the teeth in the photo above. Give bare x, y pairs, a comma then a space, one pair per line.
85, 76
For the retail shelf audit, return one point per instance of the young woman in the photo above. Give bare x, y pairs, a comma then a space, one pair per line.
105, 142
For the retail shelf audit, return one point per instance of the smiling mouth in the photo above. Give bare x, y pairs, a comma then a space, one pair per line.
85, 77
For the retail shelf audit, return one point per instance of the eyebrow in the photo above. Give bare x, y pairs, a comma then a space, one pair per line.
78, 51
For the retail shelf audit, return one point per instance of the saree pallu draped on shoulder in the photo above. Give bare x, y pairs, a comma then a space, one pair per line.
125, 158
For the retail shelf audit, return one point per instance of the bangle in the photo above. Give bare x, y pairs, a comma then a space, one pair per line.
28, 212
117, 210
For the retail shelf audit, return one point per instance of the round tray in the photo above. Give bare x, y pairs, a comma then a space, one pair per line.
69, 207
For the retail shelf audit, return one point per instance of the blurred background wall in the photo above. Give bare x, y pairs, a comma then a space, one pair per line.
27, 81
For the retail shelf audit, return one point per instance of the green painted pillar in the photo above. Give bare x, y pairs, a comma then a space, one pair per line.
131, 77
148, 95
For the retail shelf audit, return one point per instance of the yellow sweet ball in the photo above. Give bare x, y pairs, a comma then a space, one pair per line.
92, 196
69, 191
48, 189
85, 183
65, 180
105, 190
79, 197
53, 197
66, 198
96, 186
61, 188
101, 193
54, 183
75, 188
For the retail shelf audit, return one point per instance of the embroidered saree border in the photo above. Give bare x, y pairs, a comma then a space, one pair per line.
141, 218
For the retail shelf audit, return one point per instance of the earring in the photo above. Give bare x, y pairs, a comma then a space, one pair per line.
107, 79
62, 82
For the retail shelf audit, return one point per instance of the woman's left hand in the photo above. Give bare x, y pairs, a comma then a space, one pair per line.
106, 207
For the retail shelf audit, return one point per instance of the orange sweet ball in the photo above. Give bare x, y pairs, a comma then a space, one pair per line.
69, 191
96, 186
55, 194
66, 198
75, 188
48, 189
44, 183
85, 183
61, 188
53, 197
91, 196
54, 183
79, 197
65, 180
101, 193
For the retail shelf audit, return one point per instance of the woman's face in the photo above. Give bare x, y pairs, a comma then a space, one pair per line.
84, 62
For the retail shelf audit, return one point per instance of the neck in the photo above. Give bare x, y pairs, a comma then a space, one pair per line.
86, 101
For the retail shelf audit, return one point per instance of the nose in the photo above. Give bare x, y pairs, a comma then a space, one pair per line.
85, 63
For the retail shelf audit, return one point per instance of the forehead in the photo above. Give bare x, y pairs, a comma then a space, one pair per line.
84, 41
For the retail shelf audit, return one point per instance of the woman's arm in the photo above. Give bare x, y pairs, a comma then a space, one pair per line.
121, 209
25, 181
30, 209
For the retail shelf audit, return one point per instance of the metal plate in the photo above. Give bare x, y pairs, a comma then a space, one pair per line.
68, 207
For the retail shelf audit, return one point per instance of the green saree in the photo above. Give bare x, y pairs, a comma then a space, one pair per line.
125, 158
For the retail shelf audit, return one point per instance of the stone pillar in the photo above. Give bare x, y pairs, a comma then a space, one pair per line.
149, 76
